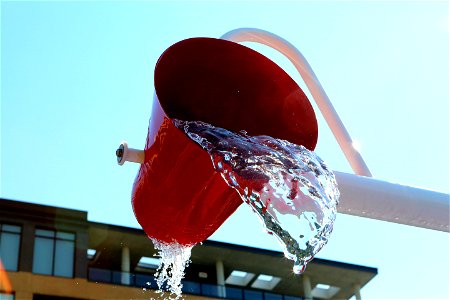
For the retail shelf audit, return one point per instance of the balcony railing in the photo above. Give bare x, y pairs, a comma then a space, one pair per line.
189, 287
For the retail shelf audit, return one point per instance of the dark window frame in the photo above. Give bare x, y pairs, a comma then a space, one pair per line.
2, 223
54, 239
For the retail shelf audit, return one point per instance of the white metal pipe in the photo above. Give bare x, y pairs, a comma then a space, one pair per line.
323, 102
124, 153
381, 200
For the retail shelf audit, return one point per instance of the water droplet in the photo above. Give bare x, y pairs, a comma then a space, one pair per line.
233, 182
299, 269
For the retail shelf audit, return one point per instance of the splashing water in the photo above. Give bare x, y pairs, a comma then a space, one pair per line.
174, 260
289, 187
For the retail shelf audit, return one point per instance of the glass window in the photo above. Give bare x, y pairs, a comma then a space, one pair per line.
147, 281
11, 228
65, 236
10, 246
271, 296
45, 233
43, 256
292, 298
211, 290
6, 296
100, 275
234, 293
124, 278
54, 253
191, 287
64, 255
253, 295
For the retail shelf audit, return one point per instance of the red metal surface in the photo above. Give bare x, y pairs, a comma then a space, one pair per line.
177, 194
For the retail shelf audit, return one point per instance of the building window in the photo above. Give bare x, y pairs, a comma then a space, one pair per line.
4, 296
54, 253
10, 246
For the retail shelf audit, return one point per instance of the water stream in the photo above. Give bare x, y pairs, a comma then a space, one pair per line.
290, 188
174, 258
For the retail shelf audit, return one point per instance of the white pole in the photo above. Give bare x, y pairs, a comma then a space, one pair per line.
220, 278
307, 291
381, 200
323, 102
125, 265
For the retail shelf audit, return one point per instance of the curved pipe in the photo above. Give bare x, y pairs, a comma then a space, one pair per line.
323, 102
360, 196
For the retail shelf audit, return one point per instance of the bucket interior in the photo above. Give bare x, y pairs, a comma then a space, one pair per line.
234, 87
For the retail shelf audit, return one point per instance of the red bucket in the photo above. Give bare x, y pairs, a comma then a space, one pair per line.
177, 195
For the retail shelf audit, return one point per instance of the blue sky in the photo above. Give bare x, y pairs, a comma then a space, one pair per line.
76, 79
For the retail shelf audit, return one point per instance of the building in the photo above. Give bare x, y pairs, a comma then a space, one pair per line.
56, 253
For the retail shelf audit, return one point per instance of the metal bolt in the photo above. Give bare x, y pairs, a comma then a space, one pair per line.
119, 153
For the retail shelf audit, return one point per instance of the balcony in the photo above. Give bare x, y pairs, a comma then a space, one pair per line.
189, 287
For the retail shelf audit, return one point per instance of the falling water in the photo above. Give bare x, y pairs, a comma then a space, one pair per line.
174, 260
289, 187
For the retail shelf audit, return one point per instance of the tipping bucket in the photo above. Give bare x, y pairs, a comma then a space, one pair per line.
177, 195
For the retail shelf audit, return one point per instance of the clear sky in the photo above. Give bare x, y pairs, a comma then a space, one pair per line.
76, 79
